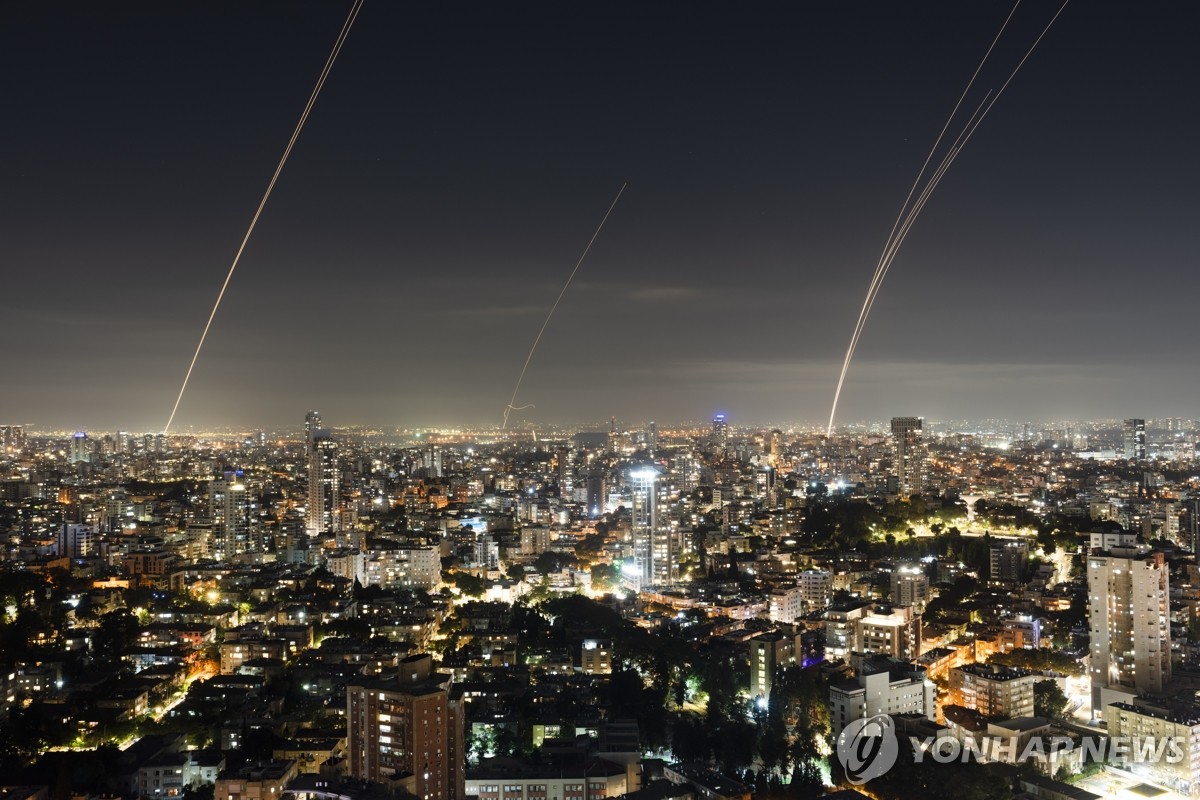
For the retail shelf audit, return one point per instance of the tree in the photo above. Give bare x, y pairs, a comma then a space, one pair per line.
807, 780
118, 630
549, 562
605, 577
1048, 699
1040, 660
468, 584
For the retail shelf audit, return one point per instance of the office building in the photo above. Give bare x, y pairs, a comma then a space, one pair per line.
12, 438
597, 493
312, 424
1133, 439
908, 455
720, 432
81, 448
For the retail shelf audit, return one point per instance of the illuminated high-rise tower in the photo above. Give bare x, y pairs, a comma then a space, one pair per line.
653, 545
12, 438
229, 507
312, 424
324, 484
1129, 617
720, 431
909, 454
773, 444
81, 449
597, 492
1134, 439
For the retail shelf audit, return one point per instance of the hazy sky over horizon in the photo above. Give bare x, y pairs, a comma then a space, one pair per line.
461, 155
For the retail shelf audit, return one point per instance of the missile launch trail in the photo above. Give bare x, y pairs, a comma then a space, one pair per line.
510, 407
312, 99
910, 209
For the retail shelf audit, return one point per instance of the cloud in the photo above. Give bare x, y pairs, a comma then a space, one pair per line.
662, 294
498, 311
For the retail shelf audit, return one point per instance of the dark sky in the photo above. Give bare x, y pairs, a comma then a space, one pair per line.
461, 155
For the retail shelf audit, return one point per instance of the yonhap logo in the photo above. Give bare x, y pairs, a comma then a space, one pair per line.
868, 748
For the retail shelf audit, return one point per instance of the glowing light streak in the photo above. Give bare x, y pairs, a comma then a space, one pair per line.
510, 407
337, 48
909, 213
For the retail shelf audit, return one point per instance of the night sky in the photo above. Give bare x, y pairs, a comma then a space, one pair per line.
461, 155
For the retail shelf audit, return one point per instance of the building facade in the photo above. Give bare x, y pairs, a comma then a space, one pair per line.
994, 691
1129, 620
407, 725
909, 454
881, 688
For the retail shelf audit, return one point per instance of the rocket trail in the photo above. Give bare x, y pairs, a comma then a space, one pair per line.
910, 209
898, 235
510, 407
287, 151
964, 135
881, 266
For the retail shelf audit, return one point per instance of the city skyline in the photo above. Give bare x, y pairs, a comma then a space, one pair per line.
457, 162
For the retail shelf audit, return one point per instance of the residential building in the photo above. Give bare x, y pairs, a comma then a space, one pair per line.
769, 653
409, 724
883, 686
1148, 726
995, 691
1129, 620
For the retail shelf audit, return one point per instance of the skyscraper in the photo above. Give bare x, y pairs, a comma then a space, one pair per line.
407, 725
1134, 440
651, 546
324, 484
597, 492
229, 508
720, 431
1129, 618
81, 449
773, 444
12, 438
312, 424
909, 463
